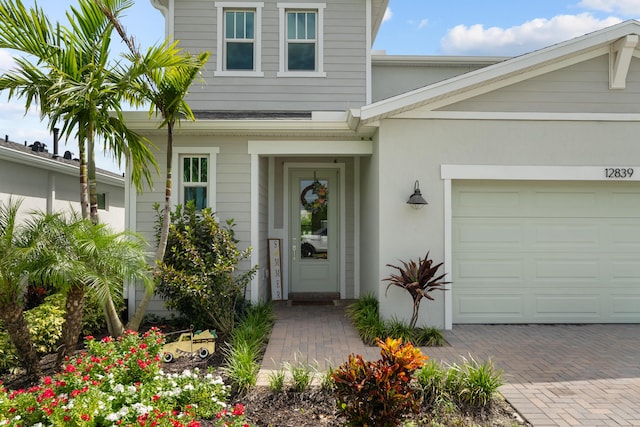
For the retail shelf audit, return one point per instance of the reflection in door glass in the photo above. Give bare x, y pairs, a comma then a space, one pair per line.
314, 197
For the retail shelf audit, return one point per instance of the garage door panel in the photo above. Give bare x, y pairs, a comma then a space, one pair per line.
564, 203
485, 268
554, 252
489, 307
567, 306
563, 268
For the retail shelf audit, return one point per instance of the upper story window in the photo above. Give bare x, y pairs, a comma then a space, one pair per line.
301, 35
239, 41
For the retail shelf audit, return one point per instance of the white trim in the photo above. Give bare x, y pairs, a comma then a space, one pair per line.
334, 148
255, 225
448, 254
356, 227
533, 173
342, 218
282, 70
511, 173
368, 46
130, 215
171, 20
220, 52
482, 115
212, 152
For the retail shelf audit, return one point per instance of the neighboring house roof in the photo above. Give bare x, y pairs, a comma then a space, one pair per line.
23, 154
620, 41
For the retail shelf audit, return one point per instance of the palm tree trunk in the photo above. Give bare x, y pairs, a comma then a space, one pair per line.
91, 173
416, 311
114, 325
73, 322
13, 320
84, 187
136, 319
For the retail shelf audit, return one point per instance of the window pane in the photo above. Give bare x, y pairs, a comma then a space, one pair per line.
302, 26
311, 26
204, 170
302, 56
291, 26
229, 27
186, 172
314, 225
239, 25
102, 200
239, 56
198, 195
195, 169
249, 25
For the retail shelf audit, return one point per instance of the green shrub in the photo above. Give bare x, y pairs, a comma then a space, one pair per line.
302, 374
276, 380
480, 381
241, 366
430, 378
364, 314
199, 275
378, 393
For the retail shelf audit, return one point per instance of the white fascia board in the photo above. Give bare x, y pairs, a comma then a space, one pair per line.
295, 148
531, 173
518, 116
52, 165
502, 74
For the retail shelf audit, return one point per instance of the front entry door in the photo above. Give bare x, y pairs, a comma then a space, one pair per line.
314, 230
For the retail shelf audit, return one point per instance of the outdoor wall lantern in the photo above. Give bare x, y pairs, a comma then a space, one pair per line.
416, 200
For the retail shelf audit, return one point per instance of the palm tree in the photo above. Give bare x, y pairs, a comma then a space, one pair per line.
13, 283
78, 256
166, 73
76, 84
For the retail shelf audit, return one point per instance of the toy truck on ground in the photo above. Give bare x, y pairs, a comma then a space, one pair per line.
203, 342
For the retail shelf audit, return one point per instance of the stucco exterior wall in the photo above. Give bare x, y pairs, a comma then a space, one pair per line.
408, 234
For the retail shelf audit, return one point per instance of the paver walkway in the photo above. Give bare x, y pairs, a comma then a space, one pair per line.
556, 375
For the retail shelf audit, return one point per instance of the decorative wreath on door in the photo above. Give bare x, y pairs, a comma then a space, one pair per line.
319, 202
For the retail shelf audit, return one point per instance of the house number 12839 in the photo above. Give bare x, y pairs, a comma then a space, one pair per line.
618, 172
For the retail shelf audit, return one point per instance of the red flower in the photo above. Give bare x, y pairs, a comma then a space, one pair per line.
85, 417
47, 380
89, 338
238, 409
67, 418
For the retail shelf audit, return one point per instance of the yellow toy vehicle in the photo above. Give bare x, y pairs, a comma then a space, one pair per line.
203, 342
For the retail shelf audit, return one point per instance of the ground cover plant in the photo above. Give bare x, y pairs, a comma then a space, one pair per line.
364, 314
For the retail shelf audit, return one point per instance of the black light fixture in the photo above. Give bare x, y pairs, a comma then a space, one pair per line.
416, 200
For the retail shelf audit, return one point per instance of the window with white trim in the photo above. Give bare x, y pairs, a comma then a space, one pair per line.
301, 35
194, 180
239, 38
194, 171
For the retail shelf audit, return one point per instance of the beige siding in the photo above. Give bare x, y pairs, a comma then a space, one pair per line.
344, 62
583, 87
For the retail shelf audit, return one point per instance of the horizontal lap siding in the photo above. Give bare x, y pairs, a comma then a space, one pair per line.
233, 176
344, 62
583, 87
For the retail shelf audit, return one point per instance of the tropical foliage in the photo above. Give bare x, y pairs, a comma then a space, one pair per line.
199, 275
379, 393
419, 279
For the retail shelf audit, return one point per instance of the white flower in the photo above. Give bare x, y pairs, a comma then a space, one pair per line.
113, 417
119, 388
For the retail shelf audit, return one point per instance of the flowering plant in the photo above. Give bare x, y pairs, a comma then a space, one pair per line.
120, 382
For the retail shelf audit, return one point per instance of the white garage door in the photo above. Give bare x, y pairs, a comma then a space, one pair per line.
546, 252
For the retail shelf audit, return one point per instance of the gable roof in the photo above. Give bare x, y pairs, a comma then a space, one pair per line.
620, 41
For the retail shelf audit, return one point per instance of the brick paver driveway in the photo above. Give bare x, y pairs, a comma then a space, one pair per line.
559, 375
556, 375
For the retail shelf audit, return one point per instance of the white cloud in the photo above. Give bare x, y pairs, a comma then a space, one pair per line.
6, 61
423, 23
387, 15
627, 8
530, 36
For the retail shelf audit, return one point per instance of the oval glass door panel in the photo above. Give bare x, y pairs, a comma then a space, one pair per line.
314, 223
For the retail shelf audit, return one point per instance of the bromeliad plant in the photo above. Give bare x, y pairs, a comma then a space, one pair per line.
119, 382
419, 279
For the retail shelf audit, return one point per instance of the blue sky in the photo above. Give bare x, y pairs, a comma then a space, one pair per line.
411, 27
